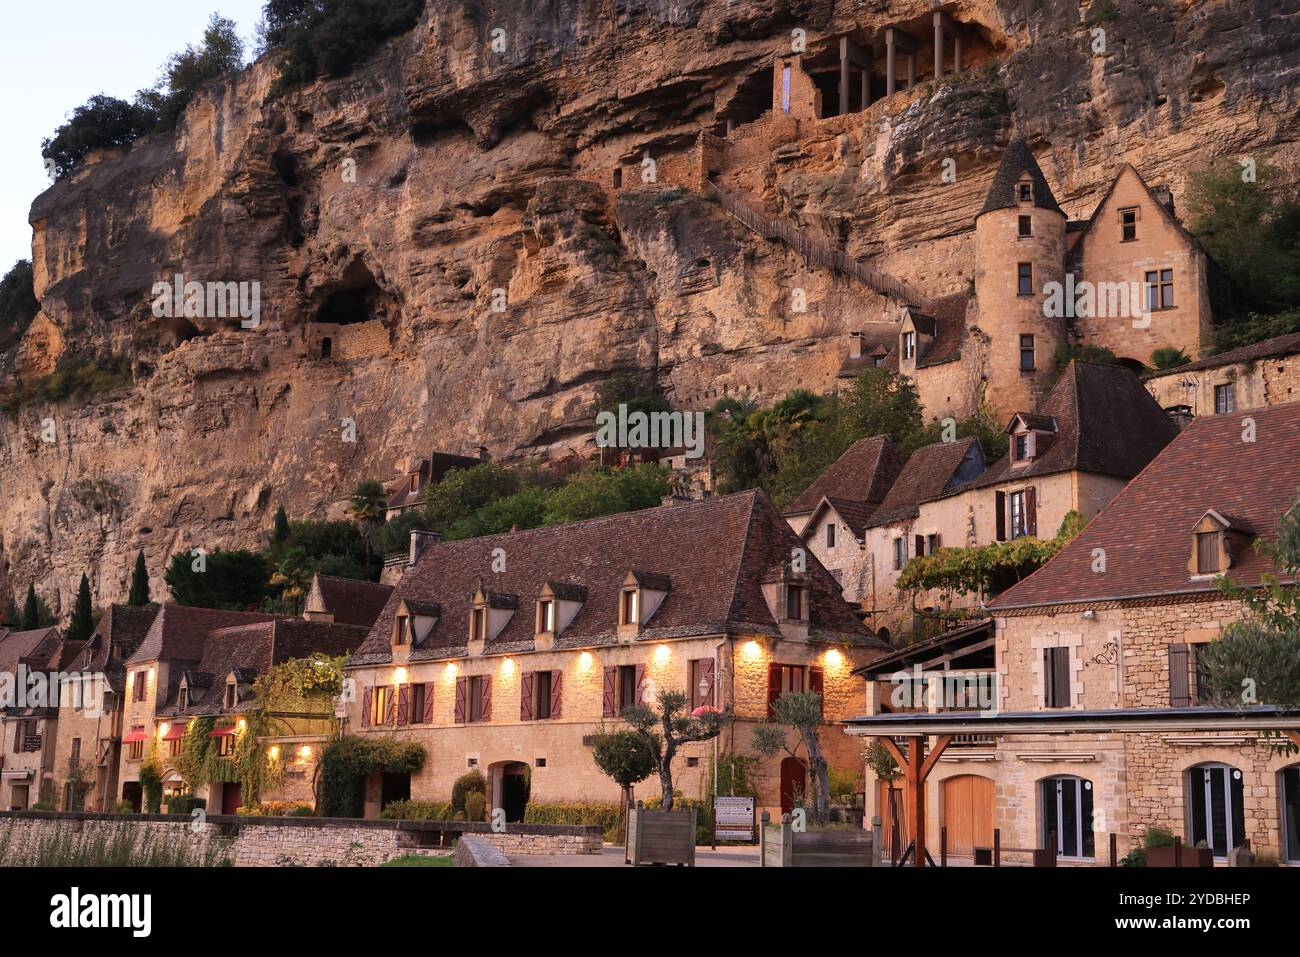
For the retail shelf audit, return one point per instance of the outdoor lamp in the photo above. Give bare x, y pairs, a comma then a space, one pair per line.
704, 688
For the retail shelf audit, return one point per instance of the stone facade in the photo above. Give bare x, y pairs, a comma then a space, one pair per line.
1254, 384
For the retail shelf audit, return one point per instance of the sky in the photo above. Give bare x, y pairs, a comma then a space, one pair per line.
56, 54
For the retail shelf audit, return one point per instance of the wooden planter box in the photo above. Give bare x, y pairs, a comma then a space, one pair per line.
815, 847
660, 837
1191, 857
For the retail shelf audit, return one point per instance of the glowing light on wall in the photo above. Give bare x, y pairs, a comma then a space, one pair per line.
508, 666
834, 658
399, 676
585, 660
242, 725
450, 671
752, 650
163, 729
275, 752
662, 654
305, 752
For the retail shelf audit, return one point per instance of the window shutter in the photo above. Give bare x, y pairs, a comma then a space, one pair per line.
404, 704
526, 697
462, 689
366, 700
706, 670
1031, 511
1000, 503
428, 703
487, 698
1063, 677
918, 545
391, 717
773, 687
556, 677
611, 697
1180, 693
817, 685
640, 685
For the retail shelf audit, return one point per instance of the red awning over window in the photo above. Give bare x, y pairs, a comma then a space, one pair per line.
225, 732
136, 734
175, 733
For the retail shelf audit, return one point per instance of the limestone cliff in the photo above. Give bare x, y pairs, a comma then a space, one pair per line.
446, 218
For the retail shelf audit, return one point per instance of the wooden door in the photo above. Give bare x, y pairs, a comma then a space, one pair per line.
968, 813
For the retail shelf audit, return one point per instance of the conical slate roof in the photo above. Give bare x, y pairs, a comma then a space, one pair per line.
1016, 161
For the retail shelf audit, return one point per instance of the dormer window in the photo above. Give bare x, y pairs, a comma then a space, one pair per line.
231, 697
1025, 191
182, 698
1212, 544
629, 607
1024, 447
795, 606
909, 345
478, 624
1208, 547
545, 616
401, 630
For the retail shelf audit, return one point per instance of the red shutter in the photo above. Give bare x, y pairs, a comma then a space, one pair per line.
773, 686
640, 686
487, 697
526, 697
403, 704
1000, 504
817, 685
706, 672
428, 703
462, 687
556, 677
611, 693
366, 700
391, 717
1031, 511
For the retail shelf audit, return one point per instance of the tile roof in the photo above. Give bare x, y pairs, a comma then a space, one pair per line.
352, 602
929, 473
35, 648
123, 627
1287, 345
1016, 160
178, 631
715, 552
862, 474
1106, 424
430, 471
1146, 531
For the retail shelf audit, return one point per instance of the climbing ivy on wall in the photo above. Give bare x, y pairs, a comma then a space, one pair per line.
347, 762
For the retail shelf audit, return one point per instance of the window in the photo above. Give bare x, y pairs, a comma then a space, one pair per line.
1225, 399
1027, 353
830, 534
909, 345
138, 686
1291, 813
182, 699
75, 757
545, 616
1216, 807
478, 698
900, 553
627, 696
1056, 677
785, 88
931, 543
1022, 447
618, 177
792, 678
478, 624
1207, 553
1025, 192
1128, 225
135, 751
174, 747
1025, 279
1025, 226
1186, 674
1160, 289
700, 672
418, 700
225, 745
381, 702
541, 695
629, 613
1067, 817
794, 604
1019, 521
231, 697
401, 629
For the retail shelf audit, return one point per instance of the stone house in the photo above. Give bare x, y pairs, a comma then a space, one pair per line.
1113, 625
507, 653
28, 726
409, 491
1256, 376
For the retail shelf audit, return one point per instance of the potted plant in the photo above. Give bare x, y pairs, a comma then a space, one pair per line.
1162, 850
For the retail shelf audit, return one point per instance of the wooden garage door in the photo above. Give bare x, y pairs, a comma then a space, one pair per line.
968, 813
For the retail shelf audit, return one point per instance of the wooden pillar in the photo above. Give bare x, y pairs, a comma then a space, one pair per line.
891, 63
938, 44
844, 75
916, 794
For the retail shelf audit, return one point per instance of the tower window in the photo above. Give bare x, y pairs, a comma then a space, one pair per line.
1027, 353
1025, 192
1026, 226
1025, 279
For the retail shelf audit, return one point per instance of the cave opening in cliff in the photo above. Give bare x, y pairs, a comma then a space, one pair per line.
355, 298
753, 98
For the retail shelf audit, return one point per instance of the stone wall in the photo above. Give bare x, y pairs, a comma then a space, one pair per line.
1255, 385
298, 842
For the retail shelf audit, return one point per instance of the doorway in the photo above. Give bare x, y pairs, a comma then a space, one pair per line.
1216, 807
1067, 815
968, 813
394, 787
1291, 813
511, 789
232, 797
794, 784
133, 795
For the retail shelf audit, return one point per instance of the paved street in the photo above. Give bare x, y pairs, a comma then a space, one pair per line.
612, 856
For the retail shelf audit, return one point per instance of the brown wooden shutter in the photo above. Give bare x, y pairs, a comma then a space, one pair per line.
1000, 504
556, 701
404, 704
640, 685
706, 670
1031, 511
487, 697
773, 687
1063, 697
918, 545
1180, 692
611, 693
526, 697
391, 717
428, 703
367, 700
817, 685
462, 690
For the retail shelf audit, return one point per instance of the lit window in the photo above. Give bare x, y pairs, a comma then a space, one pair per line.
225, 745
380, 702
478, 624
1019, 522
401, 630
545, 616
629, 610
909, 345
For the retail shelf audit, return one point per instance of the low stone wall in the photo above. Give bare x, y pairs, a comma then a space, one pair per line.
297, 841
473, 851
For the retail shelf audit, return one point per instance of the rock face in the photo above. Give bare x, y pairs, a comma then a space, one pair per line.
447, 216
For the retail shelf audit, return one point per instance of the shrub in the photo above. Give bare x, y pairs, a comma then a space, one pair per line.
120, 844
100, 122
18, 305
43, 806
330, 37
123, 807
606, 816
151, 783
74, 377
844, 784
1158, 837
345, 763
417, 811
276, 809
475, 806
185, 804
468, 783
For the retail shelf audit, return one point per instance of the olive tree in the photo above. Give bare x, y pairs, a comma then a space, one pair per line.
665, 728
799, 712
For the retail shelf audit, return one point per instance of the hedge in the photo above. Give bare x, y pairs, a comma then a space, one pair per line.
606, 816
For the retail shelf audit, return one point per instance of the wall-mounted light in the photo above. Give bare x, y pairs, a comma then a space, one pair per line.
508, 666
151, 676
1089, 615
305, 752
662, 654
163, 729
241, 725
399, 676
752, 650
834, 658
450, 671
275, 752
585, 660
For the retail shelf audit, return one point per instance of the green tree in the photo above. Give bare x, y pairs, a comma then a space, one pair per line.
234, 580
221, 51
799, 712
82, 623
880, 402
102, 121
139, 593
462, 492
665, 728
12, 617
292, 576
624, 757
281, 529
1169, 357
330, 37
991, 434
18, 305
524, 509
598, 492
36, 614
369, 501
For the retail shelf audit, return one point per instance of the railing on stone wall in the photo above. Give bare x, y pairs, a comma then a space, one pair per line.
818, 249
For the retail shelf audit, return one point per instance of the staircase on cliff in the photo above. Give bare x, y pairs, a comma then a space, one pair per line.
818, 249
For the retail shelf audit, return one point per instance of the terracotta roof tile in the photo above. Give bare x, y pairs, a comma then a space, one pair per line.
353, 602
862, 474
929, 473
1287, 345
178, 631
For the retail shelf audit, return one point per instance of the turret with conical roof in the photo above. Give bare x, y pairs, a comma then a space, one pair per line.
1019, 249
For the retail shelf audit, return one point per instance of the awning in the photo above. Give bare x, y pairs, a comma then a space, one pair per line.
174, 733
136, 734
16, 775
225, 732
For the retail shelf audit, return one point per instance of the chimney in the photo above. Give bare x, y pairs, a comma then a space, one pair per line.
856, 342
483, 454
1180, 415
420, 540
1164, 196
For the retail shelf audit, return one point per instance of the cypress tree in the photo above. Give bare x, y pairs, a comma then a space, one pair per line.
281, 525
12, 617
139, 594
31, 610
82, 624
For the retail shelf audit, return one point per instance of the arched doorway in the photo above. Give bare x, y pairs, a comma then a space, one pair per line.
968, 813
511, 783
1066, 804
1216, 811
1290, 778
794, 784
